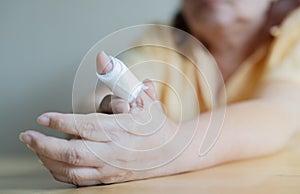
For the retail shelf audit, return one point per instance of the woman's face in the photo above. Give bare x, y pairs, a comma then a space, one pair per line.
206, 13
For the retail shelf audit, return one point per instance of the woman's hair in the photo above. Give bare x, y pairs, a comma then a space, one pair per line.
180, 23
281, 9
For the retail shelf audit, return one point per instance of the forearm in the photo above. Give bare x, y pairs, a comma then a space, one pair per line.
250, 129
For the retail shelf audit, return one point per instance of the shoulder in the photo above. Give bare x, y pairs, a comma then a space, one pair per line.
284, 56
291, 21
286, 37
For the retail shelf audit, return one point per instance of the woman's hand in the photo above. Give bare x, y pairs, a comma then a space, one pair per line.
110, 148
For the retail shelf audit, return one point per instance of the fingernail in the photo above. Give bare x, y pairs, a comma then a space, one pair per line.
25, 138
43, 120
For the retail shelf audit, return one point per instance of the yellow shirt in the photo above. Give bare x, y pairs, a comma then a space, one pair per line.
187, 89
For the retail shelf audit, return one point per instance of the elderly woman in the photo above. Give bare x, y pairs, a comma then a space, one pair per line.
256, 45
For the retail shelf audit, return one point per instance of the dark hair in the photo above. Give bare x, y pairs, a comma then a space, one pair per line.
281, 8
180, 23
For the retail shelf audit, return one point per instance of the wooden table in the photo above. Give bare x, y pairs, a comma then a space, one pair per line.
277, 173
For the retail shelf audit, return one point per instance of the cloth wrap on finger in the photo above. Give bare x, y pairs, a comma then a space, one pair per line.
121, 81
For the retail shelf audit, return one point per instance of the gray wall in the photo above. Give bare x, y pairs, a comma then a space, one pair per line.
41, 45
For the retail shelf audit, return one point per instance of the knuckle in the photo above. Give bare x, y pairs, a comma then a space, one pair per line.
73, 177
38, 146
56, 122
114, 135
87, 129
73, 156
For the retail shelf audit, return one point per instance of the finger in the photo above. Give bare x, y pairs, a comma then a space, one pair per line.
150, 91
85, 126
73, 152
113, 105
103, 63
71, 174
84, 176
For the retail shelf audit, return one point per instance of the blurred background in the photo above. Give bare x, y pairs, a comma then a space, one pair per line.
41, 45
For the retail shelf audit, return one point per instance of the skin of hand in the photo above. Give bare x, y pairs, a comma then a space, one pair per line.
72, 161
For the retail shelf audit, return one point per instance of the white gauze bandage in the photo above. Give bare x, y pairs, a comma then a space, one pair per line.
122, 81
